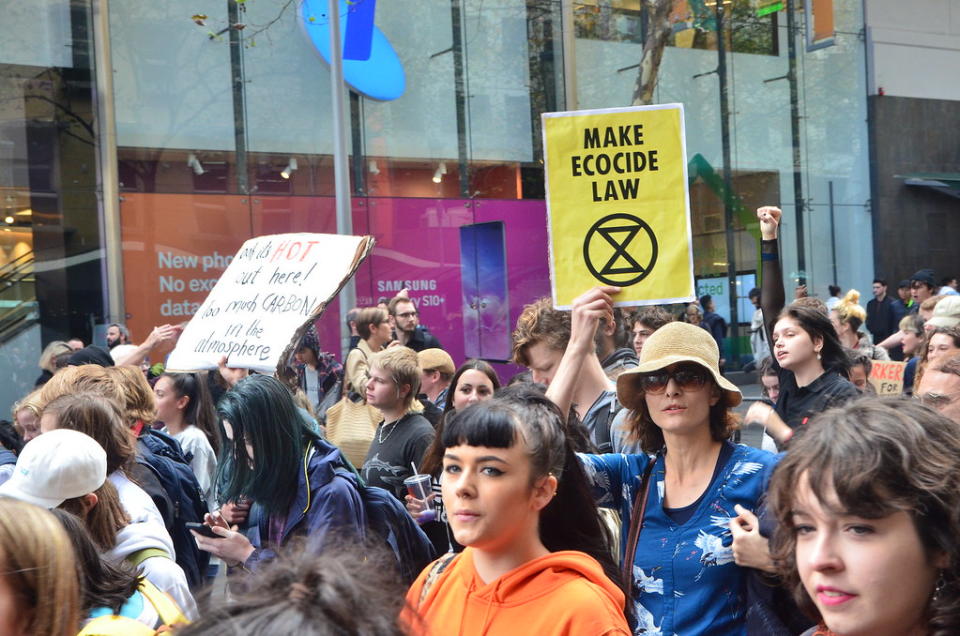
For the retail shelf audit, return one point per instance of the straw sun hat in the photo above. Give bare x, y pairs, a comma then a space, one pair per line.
672, 343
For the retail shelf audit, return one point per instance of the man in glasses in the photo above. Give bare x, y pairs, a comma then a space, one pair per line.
940, 388
410, 333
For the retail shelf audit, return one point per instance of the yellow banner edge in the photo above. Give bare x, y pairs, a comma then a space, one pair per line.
686, 192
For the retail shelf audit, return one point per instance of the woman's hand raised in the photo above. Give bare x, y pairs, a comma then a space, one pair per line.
769, 221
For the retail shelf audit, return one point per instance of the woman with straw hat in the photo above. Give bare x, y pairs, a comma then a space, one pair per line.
678, 498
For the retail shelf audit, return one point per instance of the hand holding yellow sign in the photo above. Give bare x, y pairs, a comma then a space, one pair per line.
617, 204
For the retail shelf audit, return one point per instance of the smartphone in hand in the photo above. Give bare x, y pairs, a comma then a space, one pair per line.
202, 529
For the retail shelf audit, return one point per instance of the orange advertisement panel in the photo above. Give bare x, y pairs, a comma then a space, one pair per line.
175, 247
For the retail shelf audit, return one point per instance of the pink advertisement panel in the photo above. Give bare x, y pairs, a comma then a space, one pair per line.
470, 266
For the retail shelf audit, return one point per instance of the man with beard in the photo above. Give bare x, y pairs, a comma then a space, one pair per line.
410, 333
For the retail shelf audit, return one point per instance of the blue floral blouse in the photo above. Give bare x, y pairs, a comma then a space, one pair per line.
684, 579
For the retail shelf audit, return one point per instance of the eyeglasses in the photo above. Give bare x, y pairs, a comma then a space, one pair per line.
408, 314
689, 377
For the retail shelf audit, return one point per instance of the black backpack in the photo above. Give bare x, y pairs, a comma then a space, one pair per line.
165, 459
389, 523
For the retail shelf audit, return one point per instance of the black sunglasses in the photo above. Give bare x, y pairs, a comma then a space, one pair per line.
689, 377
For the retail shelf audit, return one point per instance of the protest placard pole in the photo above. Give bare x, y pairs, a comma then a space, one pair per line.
341, 174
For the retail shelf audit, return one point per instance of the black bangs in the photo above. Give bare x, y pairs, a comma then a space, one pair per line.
482, 424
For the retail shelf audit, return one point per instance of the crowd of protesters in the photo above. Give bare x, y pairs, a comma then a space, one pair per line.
611, 488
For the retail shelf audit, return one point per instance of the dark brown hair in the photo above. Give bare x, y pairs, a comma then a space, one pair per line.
104, 584
641, 427
879, 456
105, 519
653, 317
817, 325
433, 458
200, 410
100, 418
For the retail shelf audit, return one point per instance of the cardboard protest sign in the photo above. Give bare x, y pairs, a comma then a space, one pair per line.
617, 204
886, 376
262, 304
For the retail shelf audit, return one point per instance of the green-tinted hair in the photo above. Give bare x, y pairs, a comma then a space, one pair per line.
261, 412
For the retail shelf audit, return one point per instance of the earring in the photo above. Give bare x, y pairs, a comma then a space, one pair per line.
941, 583
818, 355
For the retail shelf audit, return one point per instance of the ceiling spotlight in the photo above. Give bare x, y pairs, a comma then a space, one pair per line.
290, 169
8, 220
440, 171
372, 167
195, 164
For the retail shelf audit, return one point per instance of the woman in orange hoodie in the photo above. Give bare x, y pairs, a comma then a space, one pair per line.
537, 556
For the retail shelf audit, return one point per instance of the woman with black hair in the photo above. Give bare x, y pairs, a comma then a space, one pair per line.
813, 365
537, 555
272, 458
475, 381
186, 409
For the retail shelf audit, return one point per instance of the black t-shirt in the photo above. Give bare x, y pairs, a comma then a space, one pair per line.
395, 446
796, 404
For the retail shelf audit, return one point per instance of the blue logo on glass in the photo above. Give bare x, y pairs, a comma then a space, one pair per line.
370, 65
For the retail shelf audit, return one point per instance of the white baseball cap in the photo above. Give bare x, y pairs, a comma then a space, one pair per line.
946, 313
57, 466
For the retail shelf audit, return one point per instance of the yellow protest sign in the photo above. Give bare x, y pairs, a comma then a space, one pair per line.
617, 204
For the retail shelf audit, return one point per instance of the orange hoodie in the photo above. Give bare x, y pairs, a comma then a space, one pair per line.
563, 593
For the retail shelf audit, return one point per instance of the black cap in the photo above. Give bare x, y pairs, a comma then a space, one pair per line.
904, 283
91, 354
924, 276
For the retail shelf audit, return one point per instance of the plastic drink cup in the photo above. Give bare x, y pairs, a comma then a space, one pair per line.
419, 486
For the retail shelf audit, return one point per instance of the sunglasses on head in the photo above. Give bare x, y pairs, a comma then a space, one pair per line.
689, 377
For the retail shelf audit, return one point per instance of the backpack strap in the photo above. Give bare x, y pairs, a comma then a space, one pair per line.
436, 569
166, 608
604, 434
138, 557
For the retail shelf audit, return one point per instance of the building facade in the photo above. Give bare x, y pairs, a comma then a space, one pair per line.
142, 143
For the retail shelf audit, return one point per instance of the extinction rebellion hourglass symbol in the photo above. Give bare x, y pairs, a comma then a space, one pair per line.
634, 250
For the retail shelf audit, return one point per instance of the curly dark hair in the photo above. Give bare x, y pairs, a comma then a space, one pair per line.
641, 427
654, 317
879, 456
540, 322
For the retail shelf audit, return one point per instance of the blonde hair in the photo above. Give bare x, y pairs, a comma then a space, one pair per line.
849, 310
30, 403
50, 354
404, 368
38, 563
